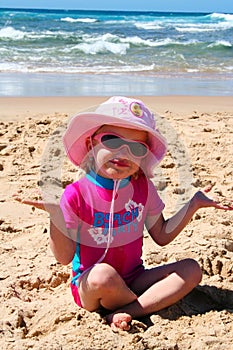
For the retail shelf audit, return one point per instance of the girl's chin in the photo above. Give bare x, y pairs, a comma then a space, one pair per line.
114, 174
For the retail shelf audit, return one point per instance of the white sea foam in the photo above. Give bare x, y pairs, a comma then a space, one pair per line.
194, 29
118, 21
100, 69
95, 69
3, 49
11, 33
117, 40
103, 47
12, 67
192, 70
130, 40
148, 25
221, 16
169, 42
105, 37
204, 27
220, 43
117, 45
137, 41
82, 20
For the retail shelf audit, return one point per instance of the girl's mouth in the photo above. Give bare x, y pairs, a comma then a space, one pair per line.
120, 162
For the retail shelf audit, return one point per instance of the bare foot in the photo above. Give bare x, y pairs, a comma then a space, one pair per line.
119, 321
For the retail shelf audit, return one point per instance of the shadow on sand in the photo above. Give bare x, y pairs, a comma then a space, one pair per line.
202, 299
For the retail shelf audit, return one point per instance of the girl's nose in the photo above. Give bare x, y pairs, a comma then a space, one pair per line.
123, 151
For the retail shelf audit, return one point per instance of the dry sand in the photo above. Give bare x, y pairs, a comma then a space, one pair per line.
37, 310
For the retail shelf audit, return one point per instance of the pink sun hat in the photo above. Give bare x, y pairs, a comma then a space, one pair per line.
116, 111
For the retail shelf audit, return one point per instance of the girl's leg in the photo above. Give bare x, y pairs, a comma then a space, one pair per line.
103, 286
159, 288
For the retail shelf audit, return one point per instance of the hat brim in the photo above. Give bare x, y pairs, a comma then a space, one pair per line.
84, 125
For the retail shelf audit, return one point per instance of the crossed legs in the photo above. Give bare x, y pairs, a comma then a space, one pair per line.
153, 290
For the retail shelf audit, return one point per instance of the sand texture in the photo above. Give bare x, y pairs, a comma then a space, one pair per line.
36, 306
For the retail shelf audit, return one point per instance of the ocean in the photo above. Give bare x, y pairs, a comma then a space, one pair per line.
74, 52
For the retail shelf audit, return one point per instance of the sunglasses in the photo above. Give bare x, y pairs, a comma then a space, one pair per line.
112, 141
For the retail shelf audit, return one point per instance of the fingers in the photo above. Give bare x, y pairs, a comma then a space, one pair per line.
224, 204
35, 203
219, 200
18, 198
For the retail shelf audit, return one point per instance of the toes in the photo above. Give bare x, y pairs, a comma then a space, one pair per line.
120, 321
124, 326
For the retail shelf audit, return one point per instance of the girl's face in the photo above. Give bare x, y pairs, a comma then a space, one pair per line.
117, 163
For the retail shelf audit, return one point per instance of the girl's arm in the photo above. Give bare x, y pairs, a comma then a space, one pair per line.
62, 246
61, 242
164, 231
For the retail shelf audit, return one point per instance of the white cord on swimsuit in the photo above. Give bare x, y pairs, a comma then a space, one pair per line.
111, 219
116, 186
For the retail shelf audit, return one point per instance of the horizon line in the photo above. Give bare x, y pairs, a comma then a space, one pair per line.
112, 10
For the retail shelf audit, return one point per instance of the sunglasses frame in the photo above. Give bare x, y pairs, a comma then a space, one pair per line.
126, 142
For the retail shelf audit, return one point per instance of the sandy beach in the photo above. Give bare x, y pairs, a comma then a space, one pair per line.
36, 306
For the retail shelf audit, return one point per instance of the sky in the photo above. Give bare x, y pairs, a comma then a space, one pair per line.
225, 6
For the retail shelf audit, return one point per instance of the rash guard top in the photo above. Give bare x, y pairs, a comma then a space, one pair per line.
109, 224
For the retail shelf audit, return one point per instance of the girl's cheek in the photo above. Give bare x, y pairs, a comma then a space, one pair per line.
102, 155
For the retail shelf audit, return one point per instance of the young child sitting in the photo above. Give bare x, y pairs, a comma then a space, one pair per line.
100, 221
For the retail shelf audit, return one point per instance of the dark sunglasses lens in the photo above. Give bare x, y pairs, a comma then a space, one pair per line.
114, 142
138, 149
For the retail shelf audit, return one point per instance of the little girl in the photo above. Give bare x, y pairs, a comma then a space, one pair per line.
99, 223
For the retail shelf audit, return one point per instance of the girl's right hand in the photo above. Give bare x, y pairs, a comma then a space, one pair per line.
62, 241
39, 204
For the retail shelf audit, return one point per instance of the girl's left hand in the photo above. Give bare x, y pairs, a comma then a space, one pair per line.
219, 202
